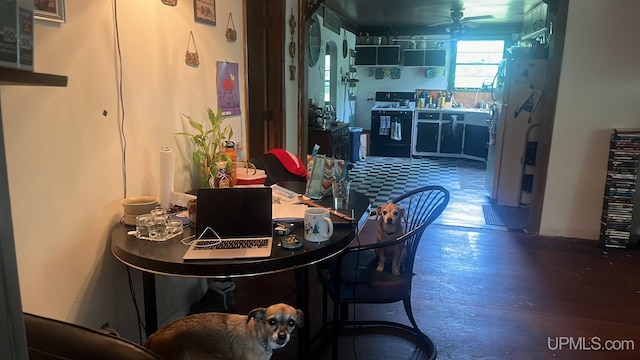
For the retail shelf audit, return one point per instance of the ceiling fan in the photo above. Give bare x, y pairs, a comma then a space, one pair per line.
458, 22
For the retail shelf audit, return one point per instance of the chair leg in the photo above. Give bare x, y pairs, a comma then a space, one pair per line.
324, 310
407, 309
337, 325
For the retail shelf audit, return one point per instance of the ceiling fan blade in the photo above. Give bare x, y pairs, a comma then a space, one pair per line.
439, 23
480, 17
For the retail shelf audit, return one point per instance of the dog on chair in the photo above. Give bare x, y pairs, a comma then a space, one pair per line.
390, 227
222, 336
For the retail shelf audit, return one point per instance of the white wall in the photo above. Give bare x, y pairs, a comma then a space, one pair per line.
64, 158
599, 91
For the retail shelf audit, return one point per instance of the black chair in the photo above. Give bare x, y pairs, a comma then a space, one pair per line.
352, 278
49, 339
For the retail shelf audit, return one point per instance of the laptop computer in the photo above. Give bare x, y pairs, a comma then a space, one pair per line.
232, 223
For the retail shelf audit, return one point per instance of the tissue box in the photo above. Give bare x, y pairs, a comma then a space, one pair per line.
249, 178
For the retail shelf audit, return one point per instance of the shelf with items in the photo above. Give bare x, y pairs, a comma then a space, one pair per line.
620, 220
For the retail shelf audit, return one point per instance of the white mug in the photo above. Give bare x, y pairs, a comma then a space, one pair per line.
318, 226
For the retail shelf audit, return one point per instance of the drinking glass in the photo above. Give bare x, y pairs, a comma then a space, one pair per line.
340, 189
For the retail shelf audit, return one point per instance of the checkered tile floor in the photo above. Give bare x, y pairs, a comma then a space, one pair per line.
383, 178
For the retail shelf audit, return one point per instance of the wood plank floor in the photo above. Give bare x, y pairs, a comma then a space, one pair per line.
487, 294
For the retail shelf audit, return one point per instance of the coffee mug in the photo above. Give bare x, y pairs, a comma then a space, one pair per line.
318, 226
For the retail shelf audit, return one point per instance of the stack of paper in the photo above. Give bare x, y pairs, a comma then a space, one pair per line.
288, 212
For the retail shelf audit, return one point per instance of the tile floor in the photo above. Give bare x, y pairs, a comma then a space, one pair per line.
383, 178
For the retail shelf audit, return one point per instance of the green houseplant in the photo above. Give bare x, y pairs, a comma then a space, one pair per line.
208, 144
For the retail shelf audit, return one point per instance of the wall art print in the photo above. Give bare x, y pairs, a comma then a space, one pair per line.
50, 10
228, 92
204, 11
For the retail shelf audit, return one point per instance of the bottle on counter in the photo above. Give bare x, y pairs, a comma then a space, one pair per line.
231, 152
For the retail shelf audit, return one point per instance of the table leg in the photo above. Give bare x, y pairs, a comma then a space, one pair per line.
150, 306
302, 300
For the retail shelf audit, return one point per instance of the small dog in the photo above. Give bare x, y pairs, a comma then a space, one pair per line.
390, 228
222, 336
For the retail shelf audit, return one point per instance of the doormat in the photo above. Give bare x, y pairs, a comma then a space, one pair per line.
507, 216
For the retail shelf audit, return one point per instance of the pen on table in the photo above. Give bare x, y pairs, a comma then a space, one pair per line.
332, 211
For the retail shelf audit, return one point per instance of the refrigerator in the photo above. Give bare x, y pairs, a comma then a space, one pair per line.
514, 130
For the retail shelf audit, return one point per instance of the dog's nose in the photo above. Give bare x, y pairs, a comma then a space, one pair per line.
282, 336
389, 220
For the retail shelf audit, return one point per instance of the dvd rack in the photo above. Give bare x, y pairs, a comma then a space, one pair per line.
618, 224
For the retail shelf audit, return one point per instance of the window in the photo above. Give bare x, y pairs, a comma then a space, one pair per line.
327, 78
477, 63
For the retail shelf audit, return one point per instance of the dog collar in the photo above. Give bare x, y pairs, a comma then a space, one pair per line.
265, 347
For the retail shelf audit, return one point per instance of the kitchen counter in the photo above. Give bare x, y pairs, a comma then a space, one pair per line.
472, 116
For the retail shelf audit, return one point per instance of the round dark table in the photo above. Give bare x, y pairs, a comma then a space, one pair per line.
165, 258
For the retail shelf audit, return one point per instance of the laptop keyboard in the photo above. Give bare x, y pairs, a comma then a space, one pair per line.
232, 244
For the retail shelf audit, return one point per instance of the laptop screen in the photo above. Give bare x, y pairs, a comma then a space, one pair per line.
234, 212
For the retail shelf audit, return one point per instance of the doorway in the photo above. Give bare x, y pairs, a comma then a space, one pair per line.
265, 21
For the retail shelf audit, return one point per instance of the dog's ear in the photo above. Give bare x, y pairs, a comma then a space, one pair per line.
403, 214
258, 314
299, 318
378, 212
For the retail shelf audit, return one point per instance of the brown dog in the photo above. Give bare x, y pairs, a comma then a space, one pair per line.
390, 228
221, 336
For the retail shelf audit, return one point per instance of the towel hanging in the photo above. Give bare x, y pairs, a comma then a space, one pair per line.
396, 131
385, 125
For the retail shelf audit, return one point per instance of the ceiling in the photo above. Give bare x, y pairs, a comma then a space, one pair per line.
413, 17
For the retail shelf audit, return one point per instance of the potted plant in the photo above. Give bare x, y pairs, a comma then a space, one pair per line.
208, 144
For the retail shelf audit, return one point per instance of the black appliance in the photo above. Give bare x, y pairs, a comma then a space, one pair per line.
391, 124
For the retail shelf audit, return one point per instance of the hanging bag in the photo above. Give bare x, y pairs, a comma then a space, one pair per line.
231, 30
192, 58
321, 171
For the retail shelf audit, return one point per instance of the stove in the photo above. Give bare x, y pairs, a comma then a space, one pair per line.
390, 101
393, 106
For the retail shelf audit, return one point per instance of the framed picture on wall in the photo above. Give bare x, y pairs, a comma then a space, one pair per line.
204, 11
49, 10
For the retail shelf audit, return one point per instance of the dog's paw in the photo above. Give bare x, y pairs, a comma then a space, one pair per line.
395, 272
380, 268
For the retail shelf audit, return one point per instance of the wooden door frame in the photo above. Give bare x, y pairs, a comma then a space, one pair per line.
265, 23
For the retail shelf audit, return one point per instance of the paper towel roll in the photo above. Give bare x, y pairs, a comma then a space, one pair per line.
167, 168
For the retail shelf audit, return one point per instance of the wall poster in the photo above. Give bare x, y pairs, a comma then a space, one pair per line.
228, 92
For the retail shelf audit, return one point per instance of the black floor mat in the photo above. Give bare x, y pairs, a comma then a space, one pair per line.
507, 216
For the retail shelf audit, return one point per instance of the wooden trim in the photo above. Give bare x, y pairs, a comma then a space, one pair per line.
560, 8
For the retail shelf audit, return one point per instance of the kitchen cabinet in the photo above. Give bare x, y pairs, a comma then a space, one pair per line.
450, 133
476, 141
333, 142
412, 57
430, 57
427, 135
435, 57
534, 24
388, 55
366, 55
378, 55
